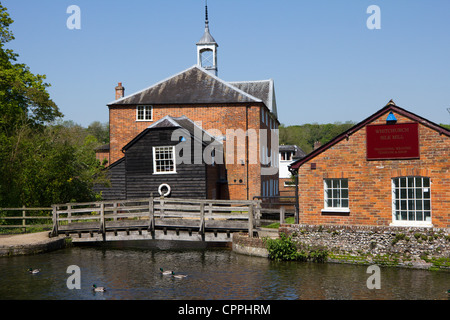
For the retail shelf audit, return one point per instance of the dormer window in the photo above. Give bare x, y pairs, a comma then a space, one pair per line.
144, 113
286, 155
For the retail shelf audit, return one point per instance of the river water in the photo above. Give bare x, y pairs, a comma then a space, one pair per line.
132, 273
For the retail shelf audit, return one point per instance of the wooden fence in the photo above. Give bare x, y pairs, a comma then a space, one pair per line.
11, 214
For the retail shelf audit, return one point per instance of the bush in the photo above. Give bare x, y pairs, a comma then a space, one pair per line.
284, 249
319, 255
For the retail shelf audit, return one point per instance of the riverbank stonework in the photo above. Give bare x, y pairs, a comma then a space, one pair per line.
243, 244
31, 243
425, 248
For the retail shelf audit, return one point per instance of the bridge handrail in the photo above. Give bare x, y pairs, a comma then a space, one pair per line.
151, 208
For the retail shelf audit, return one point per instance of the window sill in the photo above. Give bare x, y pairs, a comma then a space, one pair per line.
423, 224
137, 120
336, 211
172, 172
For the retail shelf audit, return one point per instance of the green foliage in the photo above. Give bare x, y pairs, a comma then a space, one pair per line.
305, 135
49, 166
319, 255
100, 131
282, 249
276, 225
398, 237
285, 249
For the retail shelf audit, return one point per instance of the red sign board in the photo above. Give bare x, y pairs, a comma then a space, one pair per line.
393, 141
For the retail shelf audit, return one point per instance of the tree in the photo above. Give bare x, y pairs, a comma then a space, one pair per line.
50, 166
100, 131
304, 136
42, 161
23, 95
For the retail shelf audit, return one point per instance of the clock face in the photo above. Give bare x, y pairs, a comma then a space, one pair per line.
207, 58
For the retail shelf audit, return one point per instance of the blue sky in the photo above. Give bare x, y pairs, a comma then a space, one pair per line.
326, 64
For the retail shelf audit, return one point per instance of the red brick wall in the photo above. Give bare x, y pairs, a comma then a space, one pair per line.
286, 191
370, 190
244, 180
102, 155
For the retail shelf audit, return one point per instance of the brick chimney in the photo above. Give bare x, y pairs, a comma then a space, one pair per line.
317, 145
120, 91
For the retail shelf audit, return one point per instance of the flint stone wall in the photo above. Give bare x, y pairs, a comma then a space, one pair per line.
400, 246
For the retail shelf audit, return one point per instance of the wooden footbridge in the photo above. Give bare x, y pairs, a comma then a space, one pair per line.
156, 219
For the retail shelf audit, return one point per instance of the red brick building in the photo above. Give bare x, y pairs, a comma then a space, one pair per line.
240, 114
391, 169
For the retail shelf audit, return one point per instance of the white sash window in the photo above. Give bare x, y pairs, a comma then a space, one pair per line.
411, 201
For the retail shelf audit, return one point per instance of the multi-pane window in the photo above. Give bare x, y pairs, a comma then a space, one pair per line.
289, 183
411, 201
286, 155
164, 159
144, 113
335, 194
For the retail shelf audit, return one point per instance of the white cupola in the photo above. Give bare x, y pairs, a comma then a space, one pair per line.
207, 49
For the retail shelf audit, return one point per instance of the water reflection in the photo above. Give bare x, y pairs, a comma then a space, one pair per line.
133, 273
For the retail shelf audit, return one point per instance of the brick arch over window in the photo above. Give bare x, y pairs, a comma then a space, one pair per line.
335, 175
405, 172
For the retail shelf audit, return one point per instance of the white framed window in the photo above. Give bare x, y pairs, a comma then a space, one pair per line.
144, 113
289, 183
164, 160
411, 201
336, 195
286, 155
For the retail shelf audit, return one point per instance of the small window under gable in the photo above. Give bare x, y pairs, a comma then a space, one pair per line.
144, 113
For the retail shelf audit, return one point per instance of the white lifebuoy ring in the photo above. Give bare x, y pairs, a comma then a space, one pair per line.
160, 190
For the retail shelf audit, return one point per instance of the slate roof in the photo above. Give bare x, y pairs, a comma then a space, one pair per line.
262, 89
104, 147
198, 86
298, 152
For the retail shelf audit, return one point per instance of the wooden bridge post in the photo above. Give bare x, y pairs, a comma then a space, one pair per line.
282, 214
151, 213
161, 203
54, 232
115, 211
202, 219
102, 229
258, 213
69, 213
250, 220
24, 220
